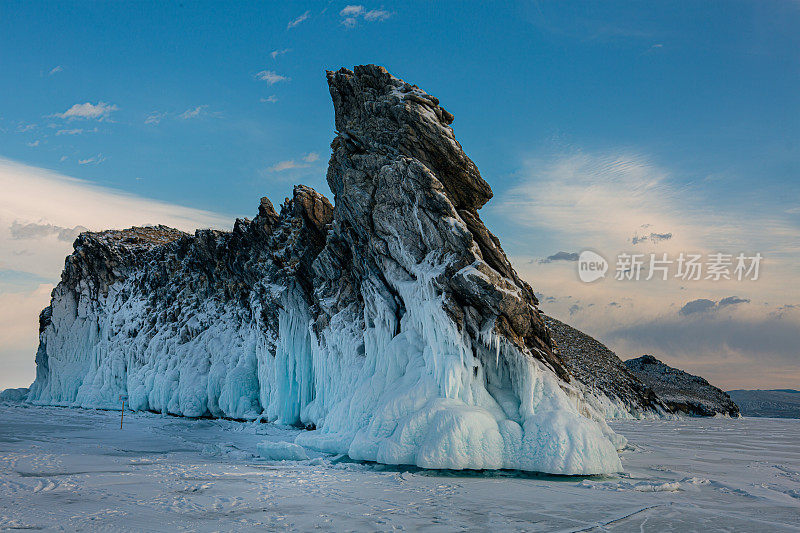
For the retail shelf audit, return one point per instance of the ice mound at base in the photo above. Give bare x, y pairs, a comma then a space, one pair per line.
281, 451
390, 323
14, 395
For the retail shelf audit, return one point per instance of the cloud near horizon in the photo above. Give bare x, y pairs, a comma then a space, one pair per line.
596, 201
41, 212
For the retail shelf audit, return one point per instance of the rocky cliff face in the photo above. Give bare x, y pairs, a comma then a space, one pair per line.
621, 393
391, 322
681, 391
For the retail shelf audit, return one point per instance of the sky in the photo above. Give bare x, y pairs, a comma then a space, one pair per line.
639, 128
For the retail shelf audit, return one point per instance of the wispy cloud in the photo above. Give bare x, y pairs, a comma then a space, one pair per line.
55, 70
597, 201
88, 111
33, 144
303, 162
22, 128
352, 14
299, 20
94, 160
155, 118
33, 230
276, 53
652, 237
653, 49
76, 131
194, 112
270, 99
271, 77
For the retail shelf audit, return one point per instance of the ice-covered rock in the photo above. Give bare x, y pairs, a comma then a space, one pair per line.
391, 323
681, 391
621, 394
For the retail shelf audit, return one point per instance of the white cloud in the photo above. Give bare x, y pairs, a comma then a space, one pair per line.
276, 53
598, 201
100, 111
34, 230
304, 162
94, 160
270, 99
294, 23
75, 131
55, 70
22, 128
195, 112
376, 14
33, 144
271, 77
351, 11
39, 211
351, 15
285, 165
155, 118
19, 320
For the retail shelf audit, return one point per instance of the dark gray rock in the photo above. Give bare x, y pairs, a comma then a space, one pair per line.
681, 391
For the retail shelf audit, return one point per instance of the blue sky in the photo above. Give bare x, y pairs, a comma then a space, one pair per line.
210, 106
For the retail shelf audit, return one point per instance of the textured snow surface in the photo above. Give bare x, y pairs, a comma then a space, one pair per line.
72, 469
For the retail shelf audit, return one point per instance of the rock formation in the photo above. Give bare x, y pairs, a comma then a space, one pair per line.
681, 391
391, 323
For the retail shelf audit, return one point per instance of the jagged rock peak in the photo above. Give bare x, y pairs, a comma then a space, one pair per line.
403, 184
376, 111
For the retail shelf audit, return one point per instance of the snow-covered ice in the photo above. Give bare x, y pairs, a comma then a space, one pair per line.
281, 451
75, 469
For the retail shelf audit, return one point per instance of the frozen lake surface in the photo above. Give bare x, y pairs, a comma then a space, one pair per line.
72, 469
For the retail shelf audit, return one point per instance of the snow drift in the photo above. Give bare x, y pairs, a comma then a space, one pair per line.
391, 323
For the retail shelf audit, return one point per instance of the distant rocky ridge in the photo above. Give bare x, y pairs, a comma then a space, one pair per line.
776, 403
681, 391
